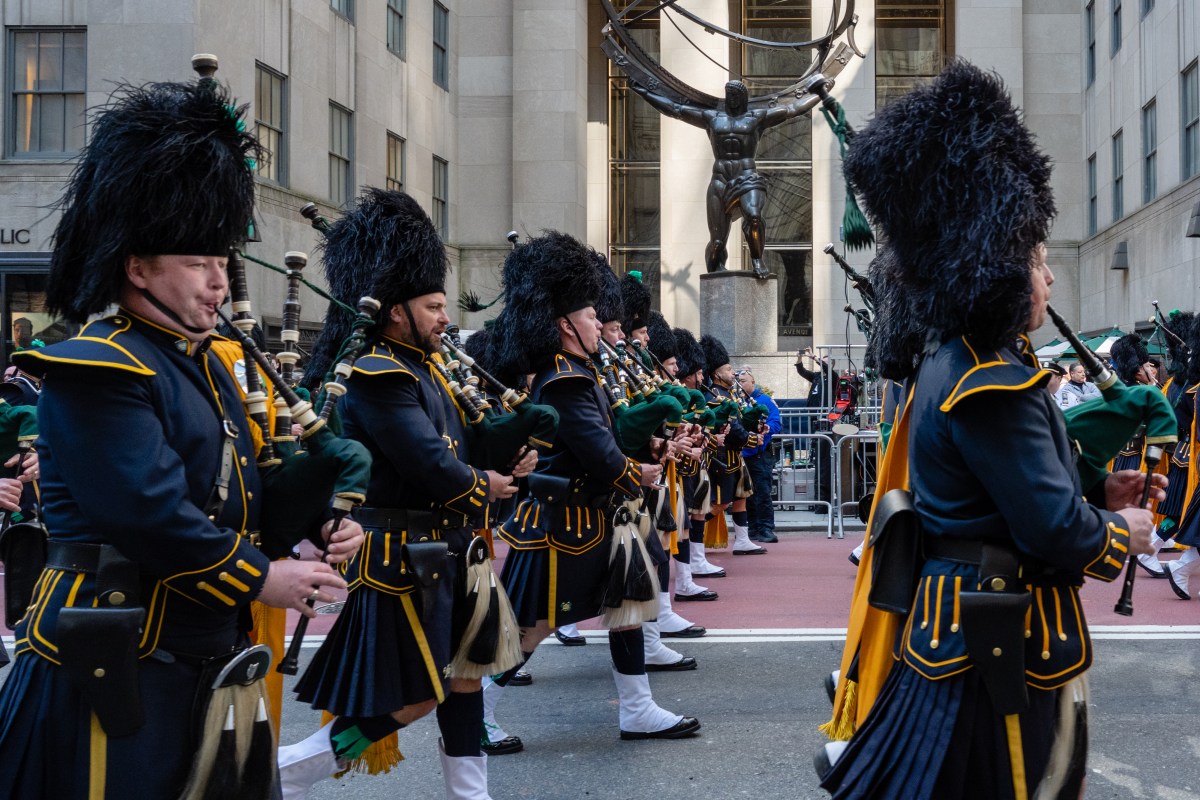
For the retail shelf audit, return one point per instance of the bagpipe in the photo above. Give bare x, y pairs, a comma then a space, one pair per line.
500, 434
1102, 429
23, 540
648, 408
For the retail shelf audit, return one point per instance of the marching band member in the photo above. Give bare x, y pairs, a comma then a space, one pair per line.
151, 565
384, 664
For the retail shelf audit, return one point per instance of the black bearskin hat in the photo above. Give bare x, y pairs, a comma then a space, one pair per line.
1192, 337
662, 340
962, 194
688, 355
715, 354
1179, 323
544, 278
1128, 355
168, 171
609, 302
897, 335
636, 299
385, 247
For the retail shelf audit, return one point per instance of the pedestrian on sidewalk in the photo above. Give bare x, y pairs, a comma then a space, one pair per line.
761, 462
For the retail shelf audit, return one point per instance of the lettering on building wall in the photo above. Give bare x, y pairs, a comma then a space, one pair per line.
14, 236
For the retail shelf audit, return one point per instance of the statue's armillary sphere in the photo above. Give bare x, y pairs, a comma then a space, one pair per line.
829, 57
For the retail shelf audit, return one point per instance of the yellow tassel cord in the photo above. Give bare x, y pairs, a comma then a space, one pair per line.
270, 625
378, 759
716, 533
98, 757
870, 633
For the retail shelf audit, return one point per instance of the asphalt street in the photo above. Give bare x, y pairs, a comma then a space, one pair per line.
759, 703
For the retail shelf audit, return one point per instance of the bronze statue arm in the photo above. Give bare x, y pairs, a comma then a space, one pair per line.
793, 108
688, 114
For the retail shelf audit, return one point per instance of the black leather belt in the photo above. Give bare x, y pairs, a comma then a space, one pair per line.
407, 518
73, 556
965, 551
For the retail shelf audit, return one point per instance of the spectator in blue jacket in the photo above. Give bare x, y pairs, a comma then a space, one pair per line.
761, 462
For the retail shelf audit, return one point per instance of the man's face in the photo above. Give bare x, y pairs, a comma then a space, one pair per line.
22, 332
193, 287
1055, 382
1041, 281
671, 366
1078, 374
746, 381
586, 325
724, 375
611, 331
735, 99
429, 314
641, 334
694, 380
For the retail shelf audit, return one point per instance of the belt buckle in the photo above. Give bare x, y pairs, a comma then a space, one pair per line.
231, 430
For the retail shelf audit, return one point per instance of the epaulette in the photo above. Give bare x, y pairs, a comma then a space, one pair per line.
379, 359
978, 371
100, 344
563, 368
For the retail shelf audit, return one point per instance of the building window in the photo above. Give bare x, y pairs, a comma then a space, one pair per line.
1093, 215
634, 150
1116, 27
269, 119
343, 7
395, 26
441, 46
1089, 14
1190, 105
1149, 152
341, 179
1118, 166
912, 44
441, 196
48, 71
1147, 7
395, 162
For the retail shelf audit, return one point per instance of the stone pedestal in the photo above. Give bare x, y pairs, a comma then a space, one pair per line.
741, 310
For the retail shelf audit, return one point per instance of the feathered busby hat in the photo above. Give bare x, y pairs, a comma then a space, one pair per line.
1180, 324
688, 355
168, 171
545, 278
715, 354
897, 335
1128, 355
609, 302
962, 195
636, 299
385, 247
662, 340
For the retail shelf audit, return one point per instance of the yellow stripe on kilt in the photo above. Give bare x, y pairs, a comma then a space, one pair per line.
423, 645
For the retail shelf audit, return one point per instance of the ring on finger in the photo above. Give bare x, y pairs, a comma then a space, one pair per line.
312, 598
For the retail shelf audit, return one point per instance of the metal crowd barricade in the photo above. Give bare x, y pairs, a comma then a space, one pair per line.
818, 469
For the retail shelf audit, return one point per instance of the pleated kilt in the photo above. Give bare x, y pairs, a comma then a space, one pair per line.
724, 484
48, 736
387, 649
1127, 459
1177, 477
941, 739
552, 572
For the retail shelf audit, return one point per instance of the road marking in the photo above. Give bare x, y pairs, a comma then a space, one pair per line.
769, 635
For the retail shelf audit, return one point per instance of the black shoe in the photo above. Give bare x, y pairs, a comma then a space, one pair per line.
682, 729
1180, 591
510, 744
691, 632
764, 538
757, 551
522, 678
716, 573
570, 641
830, 687
853, 558
707, 594
682, 665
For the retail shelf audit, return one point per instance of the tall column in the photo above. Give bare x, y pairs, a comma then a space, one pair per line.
686, 164
549, 133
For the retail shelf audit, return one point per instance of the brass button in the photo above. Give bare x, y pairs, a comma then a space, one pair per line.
116, 598
998, 584
924, 625
224, 576
934, 644
1062, 637
954, 628
201, 585
549, 499
98, 672
1045, 655
997, 652
1028, 634
435, 576
249, 495
445, 522
245, 461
